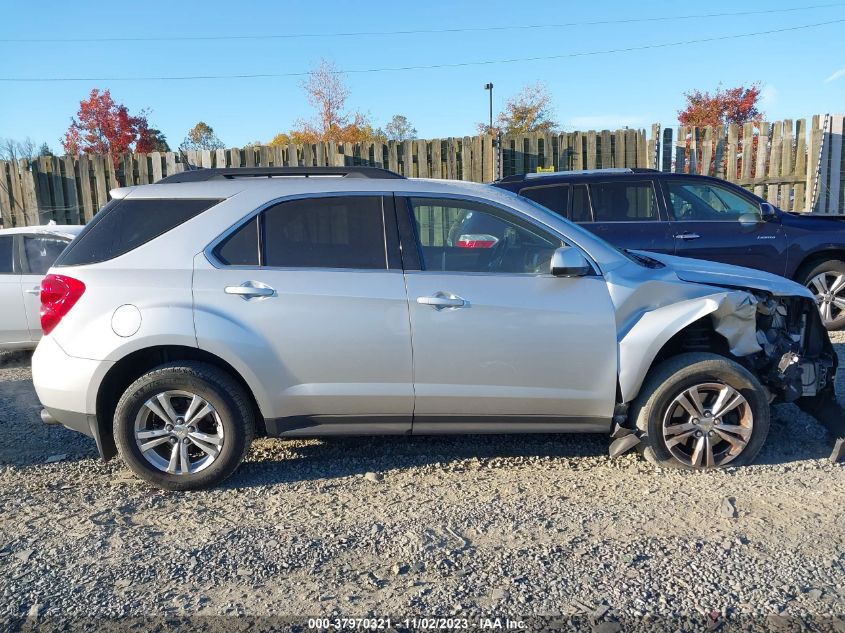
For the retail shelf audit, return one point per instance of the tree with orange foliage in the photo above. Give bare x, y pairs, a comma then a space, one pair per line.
327, 93
726, 105
102, 126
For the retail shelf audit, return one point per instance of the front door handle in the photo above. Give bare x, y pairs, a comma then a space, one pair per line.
251, 290
687, 236
441, 300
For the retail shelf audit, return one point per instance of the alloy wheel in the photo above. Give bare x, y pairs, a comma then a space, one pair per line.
179, 432
707, 425
829, 290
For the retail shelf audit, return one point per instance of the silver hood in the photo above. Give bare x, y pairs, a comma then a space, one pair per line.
728, 276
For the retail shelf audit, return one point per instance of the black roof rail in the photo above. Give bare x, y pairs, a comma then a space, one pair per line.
232, 173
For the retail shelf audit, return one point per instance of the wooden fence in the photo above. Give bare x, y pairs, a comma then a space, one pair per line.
798, 166
794, 165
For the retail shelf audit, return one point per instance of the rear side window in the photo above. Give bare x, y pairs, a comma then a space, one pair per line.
333, 232
554, 197
6, 263
623, 201
41, 252
124, 225
241, 247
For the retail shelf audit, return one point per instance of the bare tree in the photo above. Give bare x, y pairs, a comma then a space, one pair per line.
11, 149
327, 93
8, 149
28, 148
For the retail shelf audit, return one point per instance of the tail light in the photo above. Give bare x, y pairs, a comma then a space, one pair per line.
58, 296
477, 241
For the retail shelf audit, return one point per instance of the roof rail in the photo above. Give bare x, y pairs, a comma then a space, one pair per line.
576, 172
233, 173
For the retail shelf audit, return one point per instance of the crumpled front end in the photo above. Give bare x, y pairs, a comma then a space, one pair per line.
768, 324
797, 362
793, 358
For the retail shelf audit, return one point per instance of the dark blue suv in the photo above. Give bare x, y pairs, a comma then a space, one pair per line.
694, 216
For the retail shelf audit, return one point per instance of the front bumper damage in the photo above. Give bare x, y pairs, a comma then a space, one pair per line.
797, 362
782, 341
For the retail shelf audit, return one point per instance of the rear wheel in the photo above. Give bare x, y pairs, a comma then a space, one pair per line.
826, 280
699, 411
183, 426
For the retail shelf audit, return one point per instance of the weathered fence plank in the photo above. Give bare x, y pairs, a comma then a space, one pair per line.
762, 157
774, 161
5, 199
733, 151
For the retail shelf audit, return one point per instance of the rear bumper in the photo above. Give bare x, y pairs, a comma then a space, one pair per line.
82, 423
67, 388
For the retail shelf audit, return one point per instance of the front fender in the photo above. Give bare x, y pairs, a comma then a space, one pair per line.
734, 317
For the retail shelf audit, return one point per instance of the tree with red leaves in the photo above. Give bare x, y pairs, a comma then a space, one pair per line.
727, 105
104, 127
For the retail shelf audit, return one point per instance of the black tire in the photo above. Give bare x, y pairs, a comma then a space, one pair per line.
218, 389
669, 379
831, 267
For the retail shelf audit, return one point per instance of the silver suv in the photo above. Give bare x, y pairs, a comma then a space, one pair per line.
194, 314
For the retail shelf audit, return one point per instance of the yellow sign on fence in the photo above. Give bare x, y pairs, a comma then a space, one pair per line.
545, 170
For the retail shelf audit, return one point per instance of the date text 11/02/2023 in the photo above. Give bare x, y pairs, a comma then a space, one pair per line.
416, 623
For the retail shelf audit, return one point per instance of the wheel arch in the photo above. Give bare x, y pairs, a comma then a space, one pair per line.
653, 336
132, 366
815, 258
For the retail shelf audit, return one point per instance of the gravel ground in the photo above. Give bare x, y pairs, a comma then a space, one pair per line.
413, 527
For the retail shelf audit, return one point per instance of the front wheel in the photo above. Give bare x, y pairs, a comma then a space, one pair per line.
826, 280
183, 426
699, 411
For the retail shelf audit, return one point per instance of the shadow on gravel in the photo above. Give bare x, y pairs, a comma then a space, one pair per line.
15, 359
25, 440
328, 458
793, 437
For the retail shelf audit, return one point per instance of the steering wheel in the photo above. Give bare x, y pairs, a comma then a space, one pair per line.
498, 254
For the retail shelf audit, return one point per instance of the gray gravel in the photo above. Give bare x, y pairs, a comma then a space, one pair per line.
410, 527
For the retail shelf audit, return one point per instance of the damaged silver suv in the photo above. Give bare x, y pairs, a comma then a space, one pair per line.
194, 314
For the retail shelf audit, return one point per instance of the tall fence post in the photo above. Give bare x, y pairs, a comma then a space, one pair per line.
830, 178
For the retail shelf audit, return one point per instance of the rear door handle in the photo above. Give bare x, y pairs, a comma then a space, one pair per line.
33, 291
441, 300
687, 236
251, 290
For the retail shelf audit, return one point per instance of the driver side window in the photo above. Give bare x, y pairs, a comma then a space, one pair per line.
706, 202
465, 236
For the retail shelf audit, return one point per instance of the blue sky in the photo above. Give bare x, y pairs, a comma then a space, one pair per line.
802, 71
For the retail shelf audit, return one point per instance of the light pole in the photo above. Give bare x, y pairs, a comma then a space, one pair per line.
490, 88
496, 139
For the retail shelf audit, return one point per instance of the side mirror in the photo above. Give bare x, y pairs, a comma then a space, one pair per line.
569, 262
751, 219
767, 211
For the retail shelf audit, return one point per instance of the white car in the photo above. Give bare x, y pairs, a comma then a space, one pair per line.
26, 254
